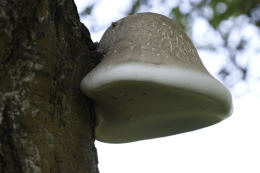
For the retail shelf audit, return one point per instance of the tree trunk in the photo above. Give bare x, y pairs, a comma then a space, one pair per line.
46, 122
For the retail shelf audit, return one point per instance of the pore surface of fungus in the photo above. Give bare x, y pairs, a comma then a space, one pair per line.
151, 82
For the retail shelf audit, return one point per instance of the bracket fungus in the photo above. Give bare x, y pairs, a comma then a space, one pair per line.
151, 82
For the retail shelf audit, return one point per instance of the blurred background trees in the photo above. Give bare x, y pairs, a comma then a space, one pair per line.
225, 32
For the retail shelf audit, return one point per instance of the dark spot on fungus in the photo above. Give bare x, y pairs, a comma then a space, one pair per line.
114, 24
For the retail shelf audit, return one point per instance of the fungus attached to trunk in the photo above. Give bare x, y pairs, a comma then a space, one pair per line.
151, 82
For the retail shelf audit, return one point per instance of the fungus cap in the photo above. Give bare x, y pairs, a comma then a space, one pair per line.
151, 82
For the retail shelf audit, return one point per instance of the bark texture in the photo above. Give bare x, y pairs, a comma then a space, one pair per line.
46, 122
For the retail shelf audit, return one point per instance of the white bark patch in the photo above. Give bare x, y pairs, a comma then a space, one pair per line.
32, 161
35, 112
29, 78
49, 138
25, 105
38, 66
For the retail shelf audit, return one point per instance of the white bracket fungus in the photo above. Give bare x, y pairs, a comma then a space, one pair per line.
151, 82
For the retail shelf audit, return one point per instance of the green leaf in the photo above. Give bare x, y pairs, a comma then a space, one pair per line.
87, 10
